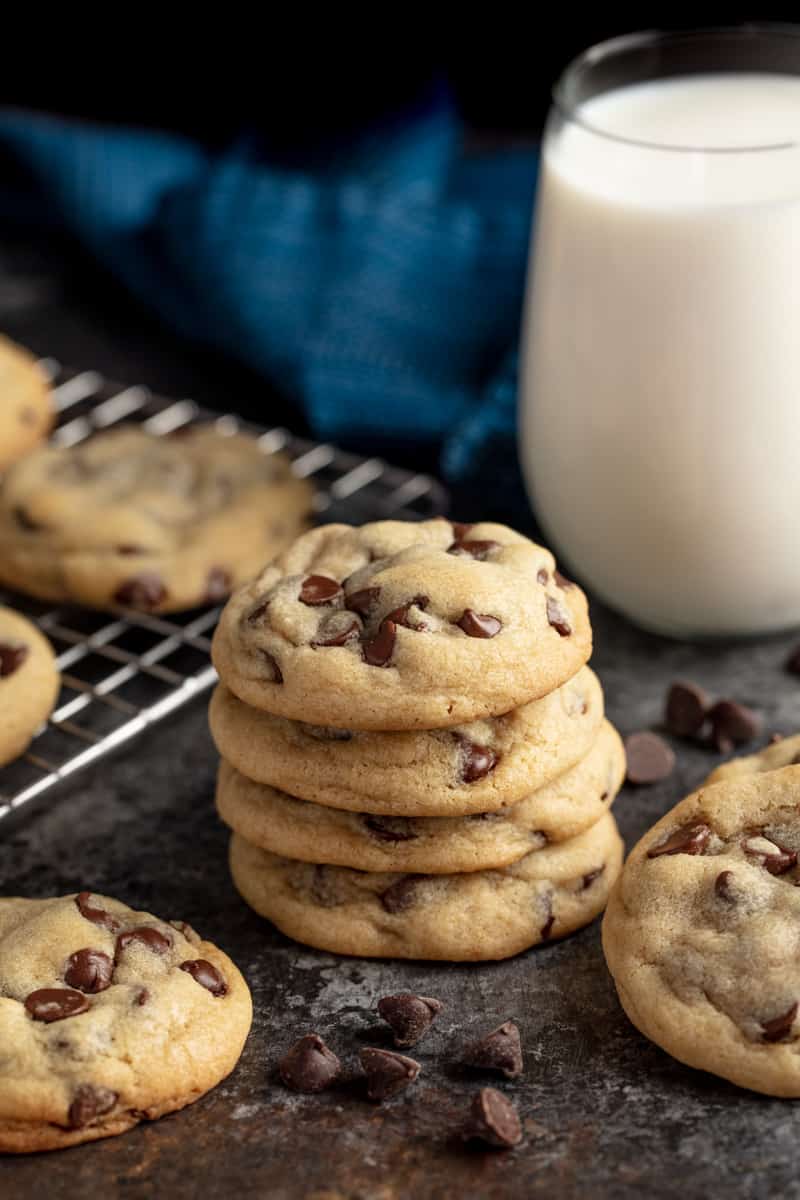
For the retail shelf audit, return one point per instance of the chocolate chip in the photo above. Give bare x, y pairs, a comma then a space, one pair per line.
499, 1050
89, 970
494, 1120
336, 629
793, 662
207, 975
409, 1016
474, 549
88, 1103
12, 658
479, 625
771, 855
689, 839
723, 888
155, 941
309, 1066
319, 589
549, 921
145, 591
777, 1029
476, 761
378, 650
55, 1004
401, 895
686, 709
142, 997
649, 758
591, 877
218, 585
188, 932
364, 601
328, 733
562, 581
460, 529
732, 723
558, 617
388, 1073
128, 549
542, 576
389, 829
97, 916
257, 613
400, 615
26, 521
276, 674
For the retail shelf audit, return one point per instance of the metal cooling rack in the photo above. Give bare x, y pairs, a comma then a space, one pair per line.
124, 671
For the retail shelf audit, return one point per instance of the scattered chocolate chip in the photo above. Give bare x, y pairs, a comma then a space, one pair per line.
257, 613
591, 877
364, 601
793, 662
476, 761
778, 1028
188, 932
474, 549
479, 625
686, 708
732, 723
309, 1066
562, 581
55, 1004
88, 1103
319, 589
276, 674
460, 529
771, 855
98, 916
145, 591
12, 657
389, 829
649, 758
689, 839
400, 615
388, 1073
558, 617
494, 1120
26, 521
155, 941
218, 585
378, 650
408, 1016
336, 629
723, 888
206, 974
401, 895
542, 576
89, 970
499, 1050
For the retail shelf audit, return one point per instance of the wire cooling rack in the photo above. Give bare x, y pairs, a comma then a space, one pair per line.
123, 671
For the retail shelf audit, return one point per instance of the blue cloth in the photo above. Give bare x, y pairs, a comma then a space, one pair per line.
380, 283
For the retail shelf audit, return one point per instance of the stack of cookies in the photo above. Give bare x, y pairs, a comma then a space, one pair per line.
415, 758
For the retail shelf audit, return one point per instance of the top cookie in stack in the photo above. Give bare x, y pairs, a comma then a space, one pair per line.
420, 692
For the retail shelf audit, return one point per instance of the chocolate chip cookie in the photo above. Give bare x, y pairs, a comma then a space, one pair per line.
784, 753
464, 917
26, 410
108, 1017
297, 829
403, 625
472, 768
29, 683
702, 932
131, 520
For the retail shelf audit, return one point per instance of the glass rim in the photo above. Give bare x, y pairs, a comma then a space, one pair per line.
568, 109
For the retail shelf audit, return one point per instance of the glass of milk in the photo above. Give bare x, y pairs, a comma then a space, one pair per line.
660, 397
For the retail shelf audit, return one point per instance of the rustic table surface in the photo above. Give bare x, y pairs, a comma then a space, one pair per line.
606, 1113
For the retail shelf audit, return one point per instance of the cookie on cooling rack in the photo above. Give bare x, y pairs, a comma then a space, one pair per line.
26, 411
29, 683
108, 1017
160, 524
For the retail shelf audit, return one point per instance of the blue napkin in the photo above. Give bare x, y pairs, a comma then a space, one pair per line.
380, 282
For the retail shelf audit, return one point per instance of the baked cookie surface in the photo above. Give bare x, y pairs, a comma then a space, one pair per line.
297, 829
468, 917
26, 410
476, 767
784, 753
403, 625
29, 683
702, 932
107, 1017
128, 519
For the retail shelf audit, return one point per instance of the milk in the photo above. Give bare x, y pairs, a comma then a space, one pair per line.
660, 403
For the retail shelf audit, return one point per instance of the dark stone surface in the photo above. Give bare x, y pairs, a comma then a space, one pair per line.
606, 1114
